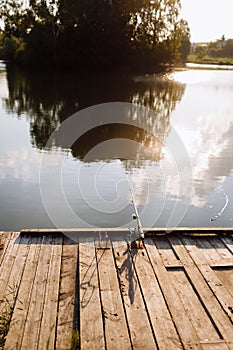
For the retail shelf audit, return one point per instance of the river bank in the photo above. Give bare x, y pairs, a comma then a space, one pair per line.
210, 60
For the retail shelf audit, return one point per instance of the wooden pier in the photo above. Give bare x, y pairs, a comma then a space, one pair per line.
102, 292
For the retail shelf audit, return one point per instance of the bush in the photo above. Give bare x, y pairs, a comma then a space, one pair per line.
12, 48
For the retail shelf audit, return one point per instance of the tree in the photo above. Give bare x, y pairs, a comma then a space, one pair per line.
98, 33
184, 40
213, 49
47, 16
228, 48
221, 48
200, 52
154, 22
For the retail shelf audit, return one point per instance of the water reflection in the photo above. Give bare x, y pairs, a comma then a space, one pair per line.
126, 144
48, 98
197, 103
111, 131
213, 158
207, 136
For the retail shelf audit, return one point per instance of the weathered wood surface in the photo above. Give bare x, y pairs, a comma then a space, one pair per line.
66, 306
91, 321
176, 292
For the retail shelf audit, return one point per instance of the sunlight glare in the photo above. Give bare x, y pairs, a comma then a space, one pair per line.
192, 76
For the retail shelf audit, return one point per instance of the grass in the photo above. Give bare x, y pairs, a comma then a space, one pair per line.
7, 303
210, 60
75, 340
5, 319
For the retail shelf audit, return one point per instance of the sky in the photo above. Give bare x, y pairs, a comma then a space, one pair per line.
208, 19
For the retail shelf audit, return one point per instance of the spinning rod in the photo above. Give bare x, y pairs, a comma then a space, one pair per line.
136, 215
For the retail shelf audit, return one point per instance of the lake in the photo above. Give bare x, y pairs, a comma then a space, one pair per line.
75, 148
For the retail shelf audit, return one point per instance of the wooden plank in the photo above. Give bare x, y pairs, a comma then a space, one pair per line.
190, 230
208, 250
192, 306
221, 248
225, 275
67, 294
228, 241
116, 330
222, 267
7, 265
102, 242
222, 263
17, 270
91, 322
15, 334
165, 250
7, 260
4, 241
216, 345
49, 319
213, 256
182, 322
35, 311
205, 294
148, 230
139, 326
160, 318
160, 281
215, 284
81, 231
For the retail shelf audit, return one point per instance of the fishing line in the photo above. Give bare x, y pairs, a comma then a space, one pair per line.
223, 209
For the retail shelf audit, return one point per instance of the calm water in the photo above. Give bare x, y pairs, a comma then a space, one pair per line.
172, 144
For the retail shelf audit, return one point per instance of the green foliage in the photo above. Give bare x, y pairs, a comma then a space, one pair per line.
16, 18
75, 340
218, 48
7, 307
9, 48
217, 52
210, 60
5, 319
200, 52
184, 40
228, 48
96, 33
48, 341
12, 48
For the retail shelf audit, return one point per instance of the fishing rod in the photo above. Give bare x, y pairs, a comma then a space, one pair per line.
136, 215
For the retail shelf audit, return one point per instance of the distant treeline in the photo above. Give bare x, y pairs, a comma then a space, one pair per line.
218, 48
94, 34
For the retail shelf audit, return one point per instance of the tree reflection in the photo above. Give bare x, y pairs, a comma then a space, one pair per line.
48, 98
98, 135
